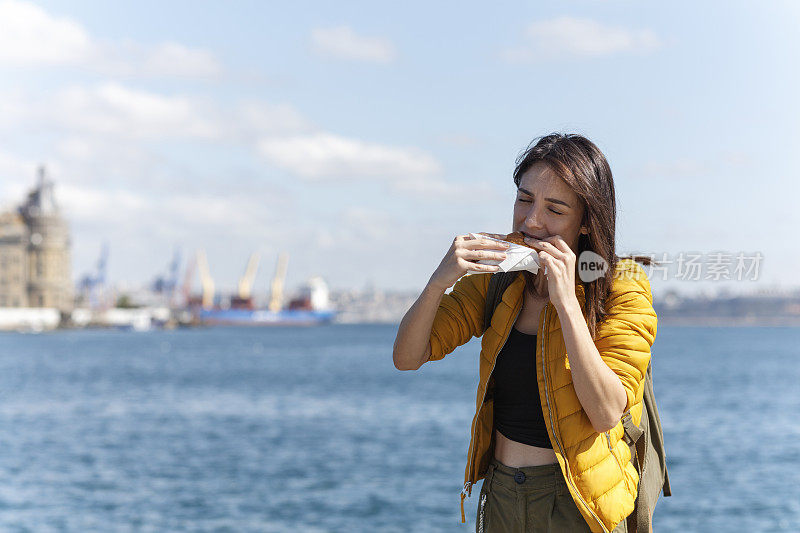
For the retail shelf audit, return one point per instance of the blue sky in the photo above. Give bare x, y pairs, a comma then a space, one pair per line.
362, 137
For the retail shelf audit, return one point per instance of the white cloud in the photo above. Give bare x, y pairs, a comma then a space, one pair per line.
256, 119
115, 209
13, 172
366, 225
343, 43
569, 36
232, 211
409, 171
174, 59
101, 130
12, 166
94, 160
143, 227
129, 59
30, 36
323, 156
14, 108
111, 108
97, 206
76, 149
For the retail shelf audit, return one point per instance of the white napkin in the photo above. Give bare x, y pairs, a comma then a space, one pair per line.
518, 257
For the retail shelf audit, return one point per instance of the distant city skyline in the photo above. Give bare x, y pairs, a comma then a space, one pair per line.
361, 138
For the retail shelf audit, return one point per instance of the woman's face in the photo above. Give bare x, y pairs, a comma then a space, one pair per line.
546, 206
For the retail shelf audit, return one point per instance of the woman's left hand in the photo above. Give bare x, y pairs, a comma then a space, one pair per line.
559, 259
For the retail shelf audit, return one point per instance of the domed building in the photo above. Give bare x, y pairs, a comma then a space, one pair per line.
35, 259
13, 260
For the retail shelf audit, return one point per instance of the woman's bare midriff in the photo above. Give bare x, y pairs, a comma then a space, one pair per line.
515, 454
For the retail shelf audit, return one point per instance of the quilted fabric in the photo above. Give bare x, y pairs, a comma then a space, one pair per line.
597, 467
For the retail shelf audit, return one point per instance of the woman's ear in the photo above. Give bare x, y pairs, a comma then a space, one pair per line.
584, 230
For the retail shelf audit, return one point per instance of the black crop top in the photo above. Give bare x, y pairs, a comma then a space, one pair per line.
517, 409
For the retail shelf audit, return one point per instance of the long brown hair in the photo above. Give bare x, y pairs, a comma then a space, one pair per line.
583, 167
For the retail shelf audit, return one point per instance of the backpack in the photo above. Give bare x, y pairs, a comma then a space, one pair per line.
646, 440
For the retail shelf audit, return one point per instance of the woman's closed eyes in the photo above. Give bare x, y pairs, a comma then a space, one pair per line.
528, 201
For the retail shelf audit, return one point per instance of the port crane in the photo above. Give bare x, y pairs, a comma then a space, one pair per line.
276, 289
244, 299
90, 285
200, 263
205, 279
166, 286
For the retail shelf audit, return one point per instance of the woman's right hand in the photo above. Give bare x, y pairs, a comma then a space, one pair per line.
461, 257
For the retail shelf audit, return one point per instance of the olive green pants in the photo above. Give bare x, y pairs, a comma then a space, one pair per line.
531, 499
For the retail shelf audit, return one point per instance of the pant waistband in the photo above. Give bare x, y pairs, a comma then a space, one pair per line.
525, 477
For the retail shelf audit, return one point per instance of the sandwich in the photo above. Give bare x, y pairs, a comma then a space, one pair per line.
517, 238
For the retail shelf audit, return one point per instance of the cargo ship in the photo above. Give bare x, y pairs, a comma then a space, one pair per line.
310, 308
255, 317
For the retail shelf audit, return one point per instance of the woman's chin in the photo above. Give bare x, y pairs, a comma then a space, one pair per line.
539, 283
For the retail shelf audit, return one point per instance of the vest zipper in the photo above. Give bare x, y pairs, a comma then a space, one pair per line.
480, 520
553, 425
471, 452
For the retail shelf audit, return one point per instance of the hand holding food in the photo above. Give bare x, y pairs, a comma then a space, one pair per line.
519, 254
463, 256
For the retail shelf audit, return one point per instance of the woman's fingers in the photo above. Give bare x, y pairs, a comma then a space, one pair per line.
494, 235
484, 244
481, 255
554, 245
480, 268
549, 248
469, 251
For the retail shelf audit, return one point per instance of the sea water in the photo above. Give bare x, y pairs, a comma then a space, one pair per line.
313, 429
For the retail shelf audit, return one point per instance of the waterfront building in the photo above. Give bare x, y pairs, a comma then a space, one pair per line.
35, 255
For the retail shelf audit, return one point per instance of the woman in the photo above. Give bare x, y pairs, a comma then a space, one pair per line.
547, 436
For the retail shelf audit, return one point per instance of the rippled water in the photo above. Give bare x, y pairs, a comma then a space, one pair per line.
314, 430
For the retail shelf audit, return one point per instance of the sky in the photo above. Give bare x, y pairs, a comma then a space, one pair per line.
362, 137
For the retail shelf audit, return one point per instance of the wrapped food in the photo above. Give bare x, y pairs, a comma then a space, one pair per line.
519, 256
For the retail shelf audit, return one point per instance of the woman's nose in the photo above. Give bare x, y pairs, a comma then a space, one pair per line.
532, 219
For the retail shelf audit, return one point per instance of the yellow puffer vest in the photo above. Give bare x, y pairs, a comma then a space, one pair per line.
597, 466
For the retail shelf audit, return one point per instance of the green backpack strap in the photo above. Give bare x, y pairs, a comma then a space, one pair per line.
498, 283
648, 456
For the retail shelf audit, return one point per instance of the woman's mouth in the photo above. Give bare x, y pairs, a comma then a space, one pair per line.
533, 236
